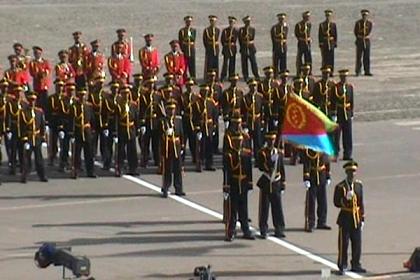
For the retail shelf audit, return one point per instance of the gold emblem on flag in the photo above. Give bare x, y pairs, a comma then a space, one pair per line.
295, 116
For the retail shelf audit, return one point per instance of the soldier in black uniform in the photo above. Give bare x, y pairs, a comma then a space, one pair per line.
303, 35
205, 116
348, 196
83, 117
284, 89
308, 81
95, 99
246, 39
272, 184
327, 39
14, 105
362, 30
172, 150
150, 111
186, 37
237, 165
253, 115
269, 87
316, 178
323, 92
232, 99
127, 124
228, 39
64, 117
109, 127
137, 88
32, 137
189, 98
279, 34
342, 112
52, 122
216, 91
211, 44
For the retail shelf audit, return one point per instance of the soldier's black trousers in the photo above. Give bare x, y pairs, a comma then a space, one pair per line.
13, 147
238, 209
346, 233
153, 136
172, 166
42, 100
316, 195
304, 51
273, 198
280, 61
211, 63
257, 138
53, 143
328, 57
86, 145
128, 146
345, 127
207, 150
229, 62
362, 51
216, 138
190, 63
64, 150
244, 63
190, 137
39, 161
107, 143
80, 82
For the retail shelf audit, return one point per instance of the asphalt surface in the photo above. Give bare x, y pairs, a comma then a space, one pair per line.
129, 232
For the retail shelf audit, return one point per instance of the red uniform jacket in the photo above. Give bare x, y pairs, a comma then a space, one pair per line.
77, 58
175, 64
119, 68
23, 66
64, 72
15, 76
126, 51
149, 61
40, 71
95, 63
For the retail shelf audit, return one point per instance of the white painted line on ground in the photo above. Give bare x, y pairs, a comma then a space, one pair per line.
219, 216
386, 111
416, 128
59, 204
408, 123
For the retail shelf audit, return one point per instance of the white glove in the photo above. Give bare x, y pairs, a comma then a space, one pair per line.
276, 123
170, 131
47, 129
274, 157
143, 130
349, 195
182, 152
307, 184
282, 192
115, 140
44, 145
362, 226
72, 140
199, 136
328, 182
246, 130
226, 124
27, 146
334, 118
9, 135
61, 134
214, 133
106, 132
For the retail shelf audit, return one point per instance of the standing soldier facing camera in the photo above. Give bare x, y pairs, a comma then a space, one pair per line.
186, 37
77, 58
348, 196
247, 48
362, 30
303, 35
40, 70
228, 39
327, 38
149, 58
211, 44
279, 34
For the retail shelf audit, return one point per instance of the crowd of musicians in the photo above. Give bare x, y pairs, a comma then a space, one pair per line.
162, 118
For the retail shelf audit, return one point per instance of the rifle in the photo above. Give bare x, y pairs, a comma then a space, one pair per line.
116, 146
131, 50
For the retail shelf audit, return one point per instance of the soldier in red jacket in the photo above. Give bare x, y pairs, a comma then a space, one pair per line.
126, 51
64, 71
40, 70
119, 66
149, 58
175, 63
95, 63
14, 75
77, 57
23, 61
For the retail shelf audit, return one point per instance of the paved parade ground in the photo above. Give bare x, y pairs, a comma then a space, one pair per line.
129, 232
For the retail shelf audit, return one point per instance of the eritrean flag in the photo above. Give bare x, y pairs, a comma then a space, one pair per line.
305, 125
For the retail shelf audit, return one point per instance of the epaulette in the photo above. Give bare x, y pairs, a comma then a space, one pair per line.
358, 181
